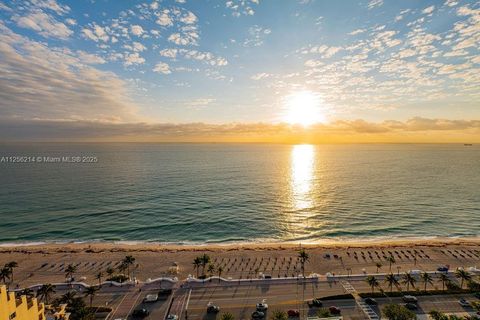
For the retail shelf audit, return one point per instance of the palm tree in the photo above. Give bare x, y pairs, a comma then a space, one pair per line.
463, 276
45, 292
303, 255
4, 274
70, 271
110, 272
378, 265
122, 268
391, 260
227, 316
219, 270
408, 279
211, 269
128, 261
26, 292
99, 276
205, 260
91, 292
444, 279
197, 262
68, 298
11, 266
426, 279
392, 281
372, 282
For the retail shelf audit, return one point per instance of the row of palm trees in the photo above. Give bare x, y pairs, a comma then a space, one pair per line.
6, 272
46, 291
409, 280
204, 262
125, 265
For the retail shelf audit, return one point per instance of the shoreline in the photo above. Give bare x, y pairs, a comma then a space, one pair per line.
139, 246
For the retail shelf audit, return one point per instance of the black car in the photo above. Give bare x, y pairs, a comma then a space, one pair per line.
371, 301
411, 306
256, 315
140, 313
165, 292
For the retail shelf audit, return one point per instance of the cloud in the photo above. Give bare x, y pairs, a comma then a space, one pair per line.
358, 31
413, 130
451, 3
96, 33
256, 36
259, 76
189, 18
164, 19
200, 102
428, 10
241, 7
162, 67
374, 4
55, 83
169, 53
89, 58
185, 39
137, 30
51, 5
133, 59
44, 24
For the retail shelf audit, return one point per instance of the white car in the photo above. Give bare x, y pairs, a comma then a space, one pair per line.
262, 306
172, 317
151, 298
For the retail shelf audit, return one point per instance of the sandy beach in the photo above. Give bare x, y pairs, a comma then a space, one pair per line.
42, 263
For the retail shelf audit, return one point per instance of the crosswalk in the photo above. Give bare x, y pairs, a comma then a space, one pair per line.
371, 315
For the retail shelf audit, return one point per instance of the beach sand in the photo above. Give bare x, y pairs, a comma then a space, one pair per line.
44, 263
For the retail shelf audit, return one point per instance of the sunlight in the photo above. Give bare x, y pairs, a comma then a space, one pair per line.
303, 107
303, 158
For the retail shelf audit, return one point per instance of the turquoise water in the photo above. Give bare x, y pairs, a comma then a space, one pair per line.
197, 193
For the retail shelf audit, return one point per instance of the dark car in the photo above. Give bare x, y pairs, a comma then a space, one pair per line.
334, 310
211, 308
258, 315
315, 303
293, 313
477, 295
165, 292
140, 313
371, 301
411, 306
442, 269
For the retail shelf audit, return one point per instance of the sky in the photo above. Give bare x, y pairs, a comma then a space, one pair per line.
240, 70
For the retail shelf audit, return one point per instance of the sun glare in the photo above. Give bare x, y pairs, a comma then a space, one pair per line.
303, 108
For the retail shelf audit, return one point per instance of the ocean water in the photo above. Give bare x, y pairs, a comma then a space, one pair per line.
205, 193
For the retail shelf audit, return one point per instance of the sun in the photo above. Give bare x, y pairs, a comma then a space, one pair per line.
303, 107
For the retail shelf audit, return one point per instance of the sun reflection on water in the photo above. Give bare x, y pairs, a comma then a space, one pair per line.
303, 160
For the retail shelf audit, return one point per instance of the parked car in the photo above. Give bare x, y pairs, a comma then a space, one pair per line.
464, 303
411, 306
211, 308
410, 299
258, 315
477, 295
315, 303
371, 301
334, 310
172, 317
293, 313
442, 269
150, 298
262, 306
140, 313
165, 292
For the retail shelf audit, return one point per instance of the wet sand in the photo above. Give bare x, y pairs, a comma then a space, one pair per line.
44, 263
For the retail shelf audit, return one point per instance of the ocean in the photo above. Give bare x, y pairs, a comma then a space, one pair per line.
223, 193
